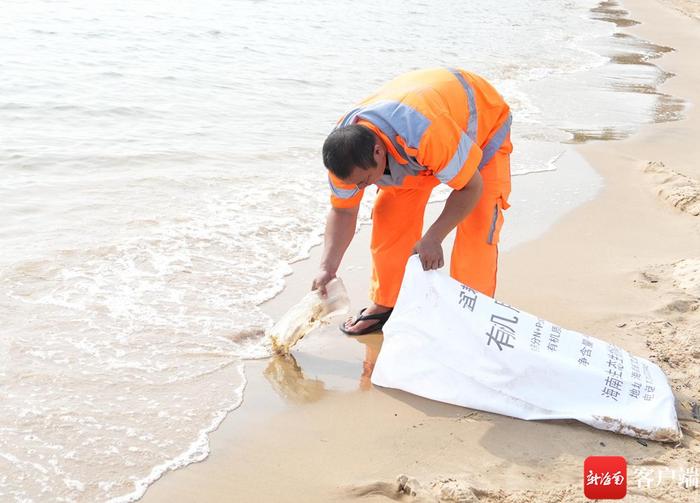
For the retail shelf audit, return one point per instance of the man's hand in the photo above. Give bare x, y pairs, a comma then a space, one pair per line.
321, 280
430, 253
458, 205
340, 229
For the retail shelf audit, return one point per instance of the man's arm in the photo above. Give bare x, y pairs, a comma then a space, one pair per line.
340, 229
458, 205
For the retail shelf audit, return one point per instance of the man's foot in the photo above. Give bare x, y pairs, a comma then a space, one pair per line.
370, 319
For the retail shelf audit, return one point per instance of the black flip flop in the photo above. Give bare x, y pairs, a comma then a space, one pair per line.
374, 327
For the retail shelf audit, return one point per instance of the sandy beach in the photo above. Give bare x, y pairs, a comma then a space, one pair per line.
624, 268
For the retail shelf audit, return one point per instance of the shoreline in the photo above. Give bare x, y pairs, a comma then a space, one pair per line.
580, 268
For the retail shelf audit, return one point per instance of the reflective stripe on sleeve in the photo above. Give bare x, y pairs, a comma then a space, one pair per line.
342, 193
472, 123
455, 165
495, 142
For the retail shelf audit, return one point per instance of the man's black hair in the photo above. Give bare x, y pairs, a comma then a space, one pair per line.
348, 147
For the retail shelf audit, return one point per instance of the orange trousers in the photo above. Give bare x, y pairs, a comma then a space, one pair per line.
397, 224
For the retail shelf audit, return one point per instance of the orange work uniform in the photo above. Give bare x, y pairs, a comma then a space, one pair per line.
439, 126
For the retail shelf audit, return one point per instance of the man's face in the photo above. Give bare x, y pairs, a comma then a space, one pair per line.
363, 177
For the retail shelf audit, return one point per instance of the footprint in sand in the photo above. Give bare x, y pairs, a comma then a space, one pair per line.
680, 282
455, 492
444, 491
686, 276
403, 489
681, 306
647, 279
407, 488
679, 190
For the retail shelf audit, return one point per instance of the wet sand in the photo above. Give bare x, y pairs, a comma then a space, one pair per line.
623, 268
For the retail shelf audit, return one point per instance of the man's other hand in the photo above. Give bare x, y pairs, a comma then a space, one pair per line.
430, 253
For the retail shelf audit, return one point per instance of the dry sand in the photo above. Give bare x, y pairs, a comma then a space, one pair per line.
624, 268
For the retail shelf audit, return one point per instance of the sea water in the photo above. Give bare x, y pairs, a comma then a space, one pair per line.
160, 169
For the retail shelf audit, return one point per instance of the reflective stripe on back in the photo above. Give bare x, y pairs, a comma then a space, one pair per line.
472, 123
349, 118
495, 142
458, 159
394, 119
398, 118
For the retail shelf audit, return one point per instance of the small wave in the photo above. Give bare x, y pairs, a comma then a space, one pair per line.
15, 106
42, 32
197, 450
